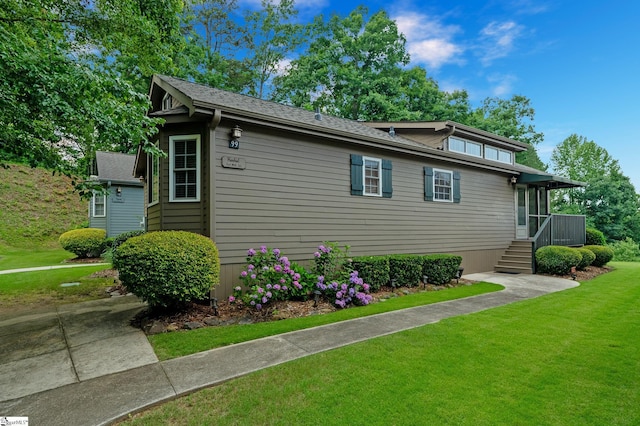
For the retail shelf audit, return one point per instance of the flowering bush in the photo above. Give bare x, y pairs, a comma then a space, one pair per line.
355, 291
331, 262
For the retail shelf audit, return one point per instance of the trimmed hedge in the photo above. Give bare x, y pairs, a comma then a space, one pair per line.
557, 260
603, 254
168, 269
121, 238
587, 258
85, 242
440, 268
595, 237
406, 269
374, 270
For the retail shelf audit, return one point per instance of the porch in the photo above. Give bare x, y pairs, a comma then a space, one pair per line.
556, 229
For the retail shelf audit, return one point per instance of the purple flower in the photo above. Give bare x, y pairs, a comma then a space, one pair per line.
276, 252
340, 303
268, 294
250, 267
264, 299
238, 288
365, 287
232, 299
265, 268
278, 268
344, 287
276, 287
263, 249
282, 281
253, 276
322, 248
243, 274
297, 285
339, 295
352, 292
284, 260
296, 277
251, 252
284, 287
321, 279
252, 303
258, 306
316, 254
268, 286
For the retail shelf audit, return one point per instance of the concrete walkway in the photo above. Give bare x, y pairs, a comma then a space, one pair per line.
46, 268
87, 366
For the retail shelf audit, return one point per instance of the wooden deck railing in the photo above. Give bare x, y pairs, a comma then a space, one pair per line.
559, 230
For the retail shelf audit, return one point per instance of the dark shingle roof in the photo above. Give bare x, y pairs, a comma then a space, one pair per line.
209, 97
116, 167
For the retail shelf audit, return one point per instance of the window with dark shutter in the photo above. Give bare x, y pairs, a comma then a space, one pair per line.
371, 176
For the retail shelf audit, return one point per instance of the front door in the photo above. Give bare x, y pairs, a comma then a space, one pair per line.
522, 228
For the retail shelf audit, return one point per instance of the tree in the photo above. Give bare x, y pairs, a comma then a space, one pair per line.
352, 68
272, 38
61, 98
511, 118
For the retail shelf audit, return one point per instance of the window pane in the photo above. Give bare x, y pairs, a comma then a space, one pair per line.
474, 149
372, 177
505, 156
490, 153
456, 145
442, 185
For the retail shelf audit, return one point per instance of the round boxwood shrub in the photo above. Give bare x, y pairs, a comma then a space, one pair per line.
121, 238
595, 238
557, 260
587, 258
603, 254
168, 269
85, 242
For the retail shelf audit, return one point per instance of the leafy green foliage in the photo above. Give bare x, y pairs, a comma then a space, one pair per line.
557, 259
603, 254
168, 269
595, 237
374, 270
587, 258
86, 242
406, 269
440, 268
625, 251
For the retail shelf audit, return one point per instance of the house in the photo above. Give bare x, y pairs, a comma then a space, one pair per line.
121, 208
248, 172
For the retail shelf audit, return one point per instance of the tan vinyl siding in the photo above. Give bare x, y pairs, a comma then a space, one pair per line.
294, 195
419, 135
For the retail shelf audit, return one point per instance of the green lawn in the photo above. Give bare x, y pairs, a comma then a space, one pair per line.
25, 288
172, 345
15, 258
568, 358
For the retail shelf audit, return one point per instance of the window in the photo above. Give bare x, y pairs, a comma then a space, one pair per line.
99, 205
441, 185
465, 147
154, 179
475, 149
184, 168
371, 176
167, 101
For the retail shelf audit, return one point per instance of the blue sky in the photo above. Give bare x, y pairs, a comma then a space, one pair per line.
578, 61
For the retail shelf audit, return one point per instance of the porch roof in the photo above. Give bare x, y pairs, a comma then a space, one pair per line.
536, 177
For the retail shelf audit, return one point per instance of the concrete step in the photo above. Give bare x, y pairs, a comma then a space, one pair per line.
512, 269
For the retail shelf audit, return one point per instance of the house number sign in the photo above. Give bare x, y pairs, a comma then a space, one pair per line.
233, 162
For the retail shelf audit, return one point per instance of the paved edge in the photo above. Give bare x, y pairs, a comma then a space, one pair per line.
120, 394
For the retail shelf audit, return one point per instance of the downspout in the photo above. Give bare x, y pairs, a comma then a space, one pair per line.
212, 125
449, 133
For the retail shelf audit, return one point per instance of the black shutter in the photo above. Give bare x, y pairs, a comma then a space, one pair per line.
357, 186
428, 183
387, 185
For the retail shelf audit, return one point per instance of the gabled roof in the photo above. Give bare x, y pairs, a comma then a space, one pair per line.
197, 100
116, 168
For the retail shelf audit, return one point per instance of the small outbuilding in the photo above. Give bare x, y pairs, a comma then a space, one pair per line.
121, 208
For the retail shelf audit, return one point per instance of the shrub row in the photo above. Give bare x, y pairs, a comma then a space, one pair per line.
92, 242
559, 260
407, 269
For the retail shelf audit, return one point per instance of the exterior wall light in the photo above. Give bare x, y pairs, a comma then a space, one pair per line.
513, 180
236, 134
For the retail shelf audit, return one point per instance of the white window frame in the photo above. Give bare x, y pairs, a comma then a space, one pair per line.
502, 151
364, 176
483, 150
154, 178
167, 102
172, 171
104, 205
435, 179
466, 144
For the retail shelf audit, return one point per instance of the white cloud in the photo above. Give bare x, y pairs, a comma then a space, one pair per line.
429, 42
498, 39
501, 84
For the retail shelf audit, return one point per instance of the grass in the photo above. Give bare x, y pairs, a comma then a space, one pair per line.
568, 358
36, 207
43, 287
14, 258
172, 345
